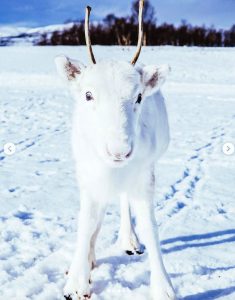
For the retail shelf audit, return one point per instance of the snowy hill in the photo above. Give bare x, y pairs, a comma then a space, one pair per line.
27, 36
194, 205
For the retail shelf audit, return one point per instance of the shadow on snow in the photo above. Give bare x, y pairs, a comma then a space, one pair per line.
210, 295
190, 240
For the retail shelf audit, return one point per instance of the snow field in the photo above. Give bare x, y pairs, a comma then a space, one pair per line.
195, 205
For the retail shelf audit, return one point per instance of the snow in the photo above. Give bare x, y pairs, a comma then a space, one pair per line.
194, 197
26, 36
8, 31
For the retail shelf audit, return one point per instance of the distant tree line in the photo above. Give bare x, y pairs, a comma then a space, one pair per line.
115, 30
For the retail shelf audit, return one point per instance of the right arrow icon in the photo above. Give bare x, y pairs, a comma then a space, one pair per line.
228, 148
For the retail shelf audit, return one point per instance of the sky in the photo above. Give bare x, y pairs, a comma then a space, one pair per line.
33, 13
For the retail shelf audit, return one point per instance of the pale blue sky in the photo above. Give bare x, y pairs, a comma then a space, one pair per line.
221, 13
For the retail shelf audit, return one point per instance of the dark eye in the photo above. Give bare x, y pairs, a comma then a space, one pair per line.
89, 96
139, 98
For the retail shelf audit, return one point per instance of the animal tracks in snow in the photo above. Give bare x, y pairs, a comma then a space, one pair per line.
184, 188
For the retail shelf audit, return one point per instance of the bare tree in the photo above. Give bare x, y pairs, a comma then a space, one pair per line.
149, 15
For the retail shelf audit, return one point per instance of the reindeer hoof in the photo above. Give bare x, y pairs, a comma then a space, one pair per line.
84, 297
139, 251
128, 252
76, 289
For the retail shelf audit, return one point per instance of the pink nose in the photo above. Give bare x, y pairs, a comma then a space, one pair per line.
120, 155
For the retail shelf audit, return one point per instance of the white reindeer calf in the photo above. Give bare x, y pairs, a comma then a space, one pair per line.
120, 129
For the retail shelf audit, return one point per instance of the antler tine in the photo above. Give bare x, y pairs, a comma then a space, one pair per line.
87, 36
141, 32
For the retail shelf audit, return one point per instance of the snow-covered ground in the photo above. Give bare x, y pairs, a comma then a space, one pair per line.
26, 36
195, 202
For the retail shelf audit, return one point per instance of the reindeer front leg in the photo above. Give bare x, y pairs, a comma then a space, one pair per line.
142, 203
90, 219
127, 236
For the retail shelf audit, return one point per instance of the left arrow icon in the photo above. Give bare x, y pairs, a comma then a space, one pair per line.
9, 148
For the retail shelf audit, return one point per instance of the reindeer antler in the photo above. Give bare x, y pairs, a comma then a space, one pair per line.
87, 36
141, 32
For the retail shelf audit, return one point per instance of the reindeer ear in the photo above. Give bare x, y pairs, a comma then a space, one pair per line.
68, 68
153, 77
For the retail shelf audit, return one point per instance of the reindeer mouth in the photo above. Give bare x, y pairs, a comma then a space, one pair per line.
119, 160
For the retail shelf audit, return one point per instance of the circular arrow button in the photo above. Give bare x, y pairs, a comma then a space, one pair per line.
228, 148
9, 148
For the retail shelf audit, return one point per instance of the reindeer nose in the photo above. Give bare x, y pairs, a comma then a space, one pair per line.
120, 155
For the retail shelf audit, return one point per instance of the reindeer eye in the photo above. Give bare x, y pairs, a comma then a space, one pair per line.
89, 96
139, 98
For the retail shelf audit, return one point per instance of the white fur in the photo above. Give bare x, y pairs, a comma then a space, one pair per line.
116, 143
